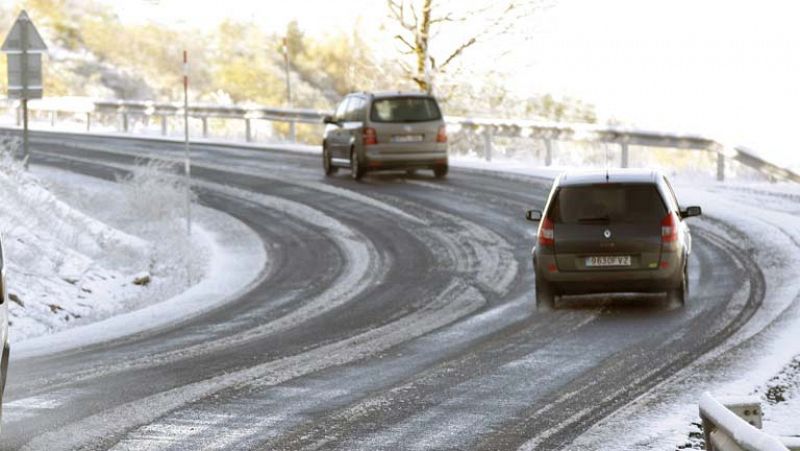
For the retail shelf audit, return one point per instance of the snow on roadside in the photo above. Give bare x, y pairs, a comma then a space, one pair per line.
63, 266
80, 250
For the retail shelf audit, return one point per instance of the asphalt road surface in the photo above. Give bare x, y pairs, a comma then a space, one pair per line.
394, 313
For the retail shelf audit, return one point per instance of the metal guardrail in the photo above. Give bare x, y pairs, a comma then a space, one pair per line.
488, 129
735, 425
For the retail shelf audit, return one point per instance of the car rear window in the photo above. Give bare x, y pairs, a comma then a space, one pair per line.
405, 109
608, 203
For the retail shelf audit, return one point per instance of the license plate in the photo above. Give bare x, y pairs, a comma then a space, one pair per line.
616, 260
406, 138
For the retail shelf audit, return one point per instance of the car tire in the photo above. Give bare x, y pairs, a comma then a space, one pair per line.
679, 294
440, 171
355, 165
545, 296
327, 164
4, 375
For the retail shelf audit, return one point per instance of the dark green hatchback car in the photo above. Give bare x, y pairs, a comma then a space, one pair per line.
611, 231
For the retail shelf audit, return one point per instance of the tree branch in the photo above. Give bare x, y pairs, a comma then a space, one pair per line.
397, 10
404, 41
459, 51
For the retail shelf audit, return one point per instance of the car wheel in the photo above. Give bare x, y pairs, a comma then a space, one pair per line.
440, 171
545, 297
679, 294
355, 165
327, 164
4, 369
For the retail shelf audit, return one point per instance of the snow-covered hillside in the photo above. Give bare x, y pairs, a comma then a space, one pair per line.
80, 249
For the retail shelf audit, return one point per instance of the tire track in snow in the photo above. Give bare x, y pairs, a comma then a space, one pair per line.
365, 268
262, 170
463, 230
96, 431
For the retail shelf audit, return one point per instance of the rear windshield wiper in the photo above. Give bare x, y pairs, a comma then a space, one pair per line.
595, 219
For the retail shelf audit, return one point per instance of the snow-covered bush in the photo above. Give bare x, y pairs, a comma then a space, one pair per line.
154, 208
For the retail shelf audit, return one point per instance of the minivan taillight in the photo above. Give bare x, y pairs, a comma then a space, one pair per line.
370, 136
669, 228
547, 232
441, 137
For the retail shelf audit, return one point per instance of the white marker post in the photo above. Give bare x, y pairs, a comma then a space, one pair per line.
187, 163
292, 134
24, 47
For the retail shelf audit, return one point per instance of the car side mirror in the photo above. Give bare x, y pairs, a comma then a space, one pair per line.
533, 215
328, 119
691, 211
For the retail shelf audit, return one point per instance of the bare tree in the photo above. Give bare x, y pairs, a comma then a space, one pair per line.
420, 21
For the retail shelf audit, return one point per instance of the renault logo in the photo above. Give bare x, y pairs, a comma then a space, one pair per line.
607, 233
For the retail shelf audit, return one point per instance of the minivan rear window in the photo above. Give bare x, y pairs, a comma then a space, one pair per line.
604, 203
405, 109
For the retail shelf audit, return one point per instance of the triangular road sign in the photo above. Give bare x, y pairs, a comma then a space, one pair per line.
13, 42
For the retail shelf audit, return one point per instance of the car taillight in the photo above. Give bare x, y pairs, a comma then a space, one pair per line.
669, 228
370, 136
441, 137
547, 233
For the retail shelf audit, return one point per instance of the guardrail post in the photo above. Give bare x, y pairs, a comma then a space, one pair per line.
205, 126
125, 122
720, 167
163, 125
548, 156
19, 116
292, 133
487, 143
88, 122
53, 118
708, 428
624, 162
247, 131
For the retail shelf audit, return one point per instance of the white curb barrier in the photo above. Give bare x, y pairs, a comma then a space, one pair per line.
735, 425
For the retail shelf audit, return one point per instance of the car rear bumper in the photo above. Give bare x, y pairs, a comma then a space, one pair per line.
405, 160
612, 280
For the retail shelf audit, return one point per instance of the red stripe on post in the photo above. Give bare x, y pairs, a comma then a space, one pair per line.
185, 68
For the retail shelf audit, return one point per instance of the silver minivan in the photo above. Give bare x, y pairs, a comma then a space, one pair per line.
385, 131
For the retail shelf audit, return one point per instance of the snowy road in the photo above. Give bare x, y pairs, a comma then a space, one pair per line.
395, 313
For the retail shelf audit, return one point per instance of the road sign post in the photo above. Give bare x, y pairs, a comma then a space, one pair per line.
24, 47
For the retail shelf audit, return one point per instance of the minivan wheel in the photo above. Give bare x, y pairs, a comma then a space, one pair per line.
679, 294
355, 166
440, 171
327, 164
545, 298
